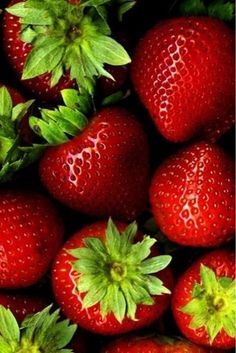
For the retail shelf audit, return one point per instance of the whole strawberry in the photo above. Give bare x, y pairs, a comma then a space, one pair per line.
203, 301
105, 280
192, 196
22, 304
99, 171
53, 45
30, 234
154, 344
183, 72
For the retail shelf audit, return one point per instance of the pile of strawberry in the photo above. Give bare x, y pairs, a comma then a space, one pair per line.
117, 201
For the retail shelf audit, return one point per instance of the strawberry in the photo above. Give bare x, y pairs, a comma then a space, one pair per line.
107, 86
22, 304
53, 45
203, 301
183, 73
192, 196
41, 332
30, 235
106, 282
100, 170
154, 344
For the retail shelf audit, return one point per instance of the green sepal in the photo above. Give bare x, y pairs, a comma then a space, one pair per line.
213, 304
218, 9
68, 38
118, 273
124, 7
41, 332
115, 98
58, 125
12, 156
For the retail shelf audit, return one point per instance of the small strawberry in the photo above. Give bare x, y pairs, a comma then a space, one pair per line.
106, 282
183, 72
22, 304
30, 235
154, 344
204, 300
192, 196
52, 45
100, 170
41, 332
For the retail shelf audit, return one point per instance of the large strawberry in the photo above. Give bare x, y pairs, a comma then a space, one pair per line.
204, 300
22, 304
100, 170
183, 72
105, 280
192, 196
41, 332
154, 344
52, 45
30, 234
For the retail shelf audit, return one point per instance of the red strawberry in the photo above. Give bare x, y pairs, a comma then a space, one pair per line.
30, 235
183, 71
99, 171
152, 344
204, 300
108, 86
61, 43
107, 283
192, 196
22, 305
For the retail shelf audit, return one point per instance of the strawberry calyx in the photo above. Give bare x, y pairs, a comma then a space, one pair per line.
213, 304
13, 154
68, 37
118, 273
58, 125
216, 8
38, 333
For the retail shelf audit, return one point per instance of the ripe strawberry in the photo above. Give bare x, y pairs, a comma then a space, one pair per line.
99, 171
183, 71
153, 344
204, 300
41, 332
192, 196
44, 43
107, 283
22, 305
30, 235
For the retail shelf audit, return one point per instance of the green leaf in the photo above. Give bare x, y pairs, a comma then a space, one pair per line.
44, 58
125, 7
213, 328
5, 103
156, 287
9, 328
142, 249
193, 7
20, 110
112, 52
113, 238
94, 296
155, 264
28, 35
209, 280
119, 303
221, 10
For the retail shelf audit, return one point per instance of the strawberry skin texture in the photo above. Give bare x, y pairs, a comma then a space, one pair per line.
99, 172
30, 235
136, 344
192, 196
69, 299
183, 71
22, 305
223, 263
17, 52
